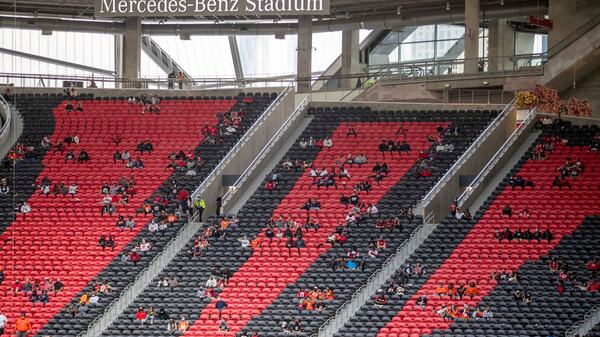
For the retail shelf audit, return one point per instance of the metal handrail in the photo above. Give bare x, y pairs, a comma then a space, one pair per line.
8, 115
574, 35
217, 81
436, 69
379, 273
278, 134
488, 166
463, 158
590, 319
241, 141
362, 86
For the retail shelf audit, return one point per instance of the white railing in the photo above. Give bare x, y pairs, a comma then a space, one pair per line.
465, 156
589, 321
7, 113
496, 157
141, 281
450, 69
363, 294
265, 150
228, 157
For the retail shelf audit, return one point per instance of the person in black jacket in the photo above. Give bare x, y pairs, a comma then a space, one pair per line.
218, 206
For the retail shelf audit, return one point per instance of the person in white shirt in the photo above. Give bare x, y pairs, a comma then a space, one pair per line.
324, 172
459, 214
303, 144
162, 226
73, 189
153, 227
94, 299
106, 200
439, 148
350, 218
545, 121
360, 159
448, 147
45, 190
344, 173
25, 208
46, 143
313, 173
145, 246
328, 143
244, 242
488, 314
75, 139
211, 282
162, 283
230, 129
287, 164
3, 321
373, 210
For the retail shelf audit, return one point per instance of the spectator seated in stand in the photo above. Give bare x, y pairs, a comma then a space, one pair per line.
506, 211
515, 181
560, 182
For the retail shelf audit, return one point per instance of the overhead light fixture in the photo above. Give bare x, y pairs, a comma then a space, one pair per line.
399, 10
447, 85
161, 22
486, 83
217, 22
501, 2
275, 21
448, 5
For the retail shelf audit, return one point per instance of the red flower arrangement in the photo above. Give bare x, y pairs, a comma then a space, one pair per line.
547, 99
577, 107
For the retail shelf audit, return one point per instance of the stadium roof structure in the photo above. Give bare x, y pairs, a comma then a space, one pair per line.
344, 14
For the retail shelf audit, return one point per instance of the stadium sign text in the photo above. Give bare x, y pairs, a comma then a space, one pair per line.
158, 8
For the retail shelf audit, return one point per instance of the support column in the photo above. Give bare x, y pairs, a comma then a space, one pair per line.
350, 58
304, 65
118, 59
501, 45
132, 49
471, 36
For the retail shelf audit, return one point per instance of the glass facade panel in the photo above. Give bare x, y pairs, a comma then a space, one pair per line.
201, 56
88, 49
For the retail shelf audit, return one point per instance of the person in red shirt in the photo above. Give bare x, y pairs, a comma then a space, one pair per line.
270, 186
381, 243
17, 287
141, 315
183, 194
134, 257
